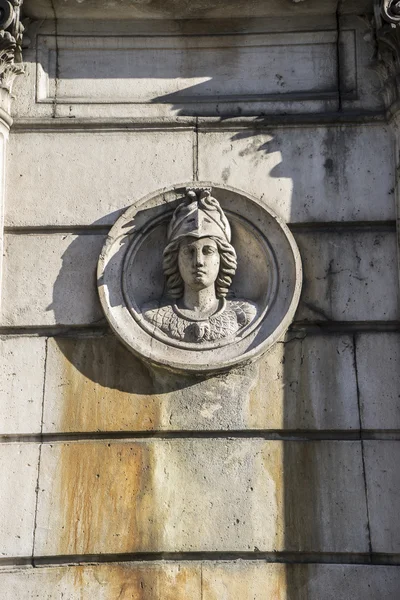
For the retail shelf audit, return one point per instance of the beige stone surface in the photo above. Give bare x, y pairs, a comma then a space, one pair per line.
21, 384
95, 384
258, 581
18, 477
200, 495
348, 276
122, 581
382, 459
307, 383
51, 279
4, 131
102, 173
378, 366
228, 580
342, 173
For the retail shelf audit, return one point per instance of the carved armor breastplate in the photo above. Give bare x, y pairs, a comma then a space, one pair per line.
233, 316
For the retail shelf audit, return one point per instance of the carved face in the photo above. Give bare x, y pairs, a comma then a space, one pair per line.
198, 262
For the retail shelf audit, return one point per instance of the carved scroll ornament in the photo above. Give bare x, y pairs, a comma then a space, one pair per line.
11, 31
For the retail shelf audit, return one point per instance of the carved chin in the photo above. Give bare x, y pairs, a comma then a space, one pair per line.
199, 282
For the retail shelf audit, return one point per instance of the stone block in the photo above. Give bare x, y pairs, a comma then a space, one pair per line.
244, 580
189, 495
102, 173
348, 276
227, 580
343, 173
51, 279
125, 581
382, 459
21, 384
306, 383
18, 477
95, 384
378, 367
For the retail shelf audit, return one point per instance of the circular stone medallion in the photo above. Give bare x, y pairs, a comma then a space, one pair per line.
199, 278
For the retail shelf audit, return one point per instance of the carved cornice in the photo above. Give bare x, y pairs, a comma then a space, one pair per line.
11, 30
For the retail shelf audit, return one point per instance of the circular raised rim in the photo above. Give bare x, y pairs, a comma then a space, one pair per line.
207, 366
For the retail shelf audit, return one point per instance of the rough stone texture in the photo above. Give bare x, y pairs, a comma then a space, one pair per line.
258, 581
21, 384
345, 275
139, 496
95, 384
18, 476
46, 280
3, 154
378, 366
128, 165
241, 580
307, 383
307, 174
383, 488
125, 581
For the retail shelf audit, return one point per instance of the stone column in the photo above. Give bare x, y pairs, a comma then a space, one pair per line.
11, 30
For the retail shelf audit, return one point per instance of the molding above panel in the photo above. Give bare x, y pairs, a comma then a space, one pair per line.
158, 10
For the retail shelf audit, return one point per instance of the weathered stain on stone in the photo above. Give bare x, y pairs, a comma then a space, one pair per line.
273, 463
95, 384
244, 581
124, 581
104, 387
106, 498
138, 582
265, 395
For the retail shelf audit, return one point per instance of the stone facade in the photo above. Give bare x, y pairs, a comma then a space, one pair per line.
278, 478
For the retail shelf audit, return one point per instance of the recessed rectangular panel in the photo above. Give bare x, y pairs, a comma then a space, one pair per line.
184, 69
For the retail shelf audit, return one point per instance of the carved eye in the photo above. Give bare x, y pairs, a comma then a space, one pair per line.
209, 250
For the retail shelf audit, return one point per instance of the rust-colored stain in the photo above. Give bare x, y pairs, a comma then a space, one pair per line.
103, 387
273, 461
266, 395
137, 582
245, 581
106, 497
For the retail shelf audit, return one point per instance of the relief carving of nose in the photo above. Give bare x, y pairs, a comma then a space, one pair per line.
199, 258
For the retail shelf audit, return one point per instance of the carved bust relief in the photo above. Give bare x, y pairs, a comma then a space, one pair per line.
199, 278
199, 263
